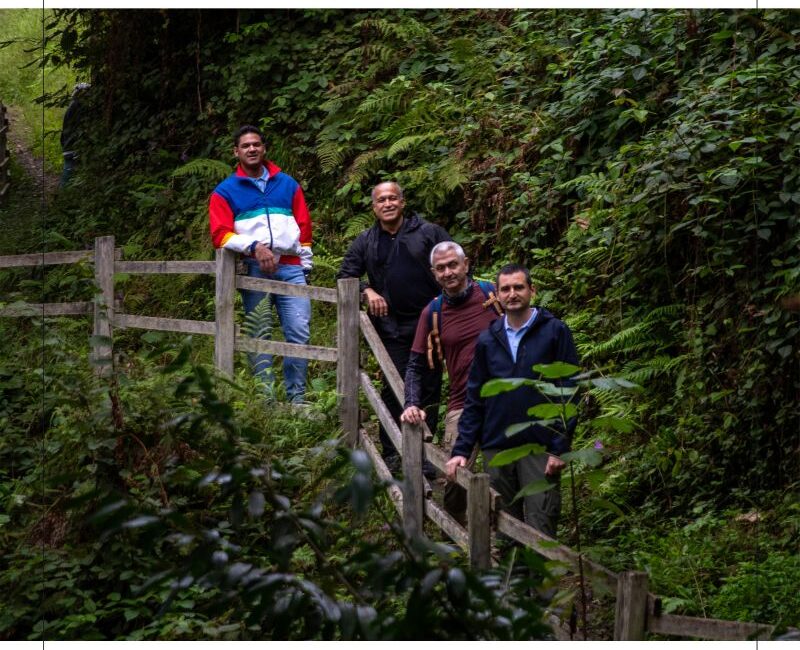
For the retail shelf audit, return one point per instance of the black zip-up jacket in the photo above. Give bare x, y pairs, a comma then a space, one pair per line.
485, 419
419, 237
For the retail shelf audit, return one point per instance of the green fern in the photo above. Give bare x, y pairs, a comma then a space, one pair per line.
363, 166
411, 141
258, 323
356, 224
330, 154
213, 170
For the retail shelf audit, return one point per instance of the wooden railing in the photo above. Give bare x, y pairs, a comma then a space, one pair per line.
637, 611
5, 157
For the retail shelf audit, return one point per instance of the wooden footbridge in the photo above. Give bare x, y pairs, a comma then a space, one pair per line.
638, 612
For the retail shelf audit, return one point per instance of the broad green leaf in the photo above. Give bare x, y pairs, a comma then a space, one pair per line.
546, 388
589, 456
496, 386
553, 411
536, 487
556, 370
508, 456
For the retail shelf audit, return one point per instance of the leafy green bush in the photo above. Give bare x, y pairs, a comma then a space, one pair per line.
762, 591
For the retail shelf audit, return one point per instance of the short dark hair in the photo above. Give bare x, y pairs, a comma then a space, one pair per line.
243, 130
510, 269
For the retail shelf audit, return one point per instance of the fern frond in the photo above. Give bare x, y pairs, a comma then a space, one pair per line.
363, 165
330, 154
622, 340
258, 323
357, 224
410, 141
452, 175
208, 168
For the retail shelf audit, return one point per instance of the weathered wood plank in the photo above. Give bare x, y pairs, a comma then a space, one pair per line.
631, 608
166, 266
703, 628
224, 333
245, 343
395, 493
386, 419
45, 259
446, 523
413, 491
347, 379
164, 324
48, 309
323, 294
479, 526
552, 549
393, 377
104, 304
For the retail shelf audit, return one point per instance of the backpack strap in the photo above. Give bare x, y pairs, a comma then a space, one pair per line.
491, 298
434, 337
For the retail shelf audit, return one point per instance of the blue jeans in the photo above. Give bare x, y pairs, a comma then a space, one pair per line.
294, 314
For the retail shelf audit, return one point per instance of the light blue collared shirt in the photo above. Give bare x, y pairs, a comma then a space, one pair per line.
261, 181
515, 336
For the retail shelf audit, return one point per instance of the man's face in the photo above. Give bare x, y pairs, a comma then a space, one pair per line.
250, 151
514, 292
388, 204
450, 271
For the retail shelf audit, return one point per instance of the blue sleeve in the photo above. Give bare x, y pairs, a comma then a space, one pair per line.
566, 352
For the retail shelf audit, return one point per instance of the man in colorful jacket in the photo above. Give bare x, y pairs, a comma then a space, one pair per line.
261, 213
526, 336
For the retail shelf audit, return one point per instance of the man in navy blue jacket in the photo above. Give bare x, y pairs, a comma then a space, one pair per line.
524, 337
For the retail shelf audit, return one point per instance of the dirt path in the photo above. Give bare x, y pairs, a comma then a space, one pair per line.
19, 134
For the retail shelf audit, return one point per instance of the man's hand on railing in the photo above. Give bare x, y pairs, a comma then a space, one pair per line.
265, 259
376, 304
452, 465
413, 415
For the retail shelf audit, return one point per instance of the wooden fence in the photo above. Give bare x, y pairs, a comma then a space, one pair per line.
5, 156
637, 611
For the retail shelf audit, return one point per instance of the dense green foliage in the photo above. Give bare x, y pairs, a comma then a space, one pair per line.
643, 163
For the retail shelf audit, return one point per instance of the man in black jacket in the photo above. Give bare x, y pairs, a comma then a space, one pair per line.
526, 336
395, 256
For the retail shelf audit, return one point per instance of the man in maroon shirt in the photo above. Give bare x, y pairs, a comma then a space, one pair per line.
465, 313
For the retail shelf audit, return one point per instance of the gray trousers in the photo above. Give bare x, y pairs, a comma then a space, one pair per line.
540, 511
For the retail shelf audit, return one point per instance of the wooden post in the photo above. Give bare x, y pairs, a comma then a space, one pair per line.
224, 333
413, 494
347, 308
103, 304
630, 619
479, 521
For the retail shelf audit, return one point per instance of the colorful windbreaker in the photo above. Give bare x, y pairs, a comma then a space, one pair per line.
239, 214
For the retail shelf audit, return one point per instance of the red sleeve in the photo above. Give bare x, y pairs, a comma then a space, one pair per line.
302, 216
220, 220
420, 345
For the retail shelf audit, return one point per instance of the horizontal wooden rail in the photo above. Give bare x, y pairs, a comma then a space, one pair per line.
702, 628
187, 266
322, 294
297, 350
48, 259
164, 324
47, 309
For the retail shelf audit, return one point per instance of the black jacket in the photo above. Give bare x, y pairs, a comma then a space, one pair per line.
419, 237
485, 419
